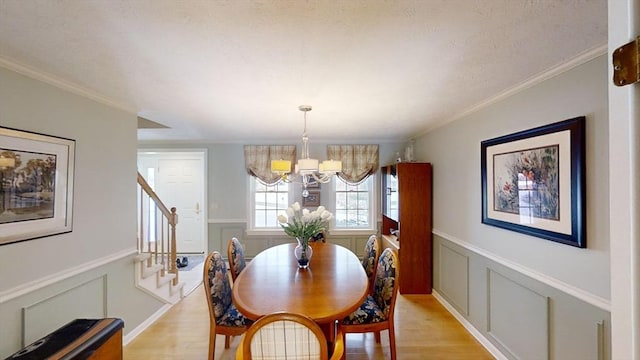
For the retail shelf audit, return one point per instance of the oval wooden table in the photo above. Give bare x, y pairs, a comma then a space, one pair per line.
333, 286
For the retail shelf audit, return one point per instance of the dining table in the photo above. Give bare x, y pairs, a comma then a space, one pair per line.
333, 286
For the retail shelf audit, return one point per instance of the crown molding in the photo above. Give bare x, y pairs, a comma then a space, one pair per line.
534, 80
61, 84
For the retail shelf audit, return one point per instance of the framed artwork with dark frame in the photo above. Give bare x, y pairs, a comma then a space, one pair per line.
312, 200
36, 185
313, 183
533, 182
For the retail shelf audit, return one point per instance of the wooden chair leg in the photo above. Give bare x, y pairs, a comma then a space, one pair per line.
212, 345
376, 335
226, 341
392, 342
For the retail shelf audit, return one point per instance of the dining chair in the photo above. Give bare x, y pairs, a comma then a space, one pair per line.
224, 318
376, 313
285, 335
321, 236
370, 259
235, 254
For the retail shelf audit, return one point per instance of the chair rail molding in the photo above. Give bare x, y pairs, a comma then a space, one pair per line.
576, 292
227, 221
34, 285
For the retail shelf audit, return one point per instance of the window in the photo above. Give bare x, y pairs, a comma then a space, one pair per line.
268, 201
354, 205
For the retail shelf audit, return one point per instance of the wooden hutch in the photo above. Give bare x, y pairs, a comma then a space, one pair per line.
406, 222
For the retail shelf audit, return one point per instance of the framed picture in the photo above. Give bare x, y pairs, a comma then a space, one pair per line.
312, 200
533, 182
36, 185
313, 183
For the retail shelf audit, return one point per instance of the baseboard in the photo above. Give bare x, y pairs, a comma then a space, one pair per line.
145, 324
470, 328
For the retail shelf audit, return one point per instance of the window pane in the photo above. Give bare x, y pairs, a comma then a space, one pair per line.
269, 201
272, 201
363, 201
353, 204
341, 201
352, 218
271, 218
363, 220
260, 187
283, 200
352, 201
282, 186
259, 201
341, 218
259, 218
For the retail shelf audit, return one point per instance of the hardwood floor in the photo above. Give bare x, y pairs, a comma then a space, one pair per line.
424, 330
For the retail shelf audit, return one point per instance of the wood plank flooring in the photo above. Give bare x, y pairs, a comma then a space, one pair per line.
424, 330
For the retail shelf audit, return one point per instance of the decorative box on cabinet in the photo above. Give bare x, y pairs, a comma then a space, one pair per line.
406, 222
86, 339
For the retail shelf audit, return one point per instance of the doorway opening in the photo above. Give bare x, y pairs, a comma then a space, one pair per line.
178, 177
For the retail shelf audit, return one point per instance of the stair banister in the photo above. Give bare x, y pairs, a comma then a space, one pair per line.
172, 220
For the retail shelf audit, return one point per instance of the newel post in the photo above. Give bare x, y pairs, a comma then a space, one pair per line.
174, 250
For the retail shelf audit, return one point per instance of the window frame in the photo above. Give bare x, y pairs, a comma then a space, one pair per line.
373, 209
251, 206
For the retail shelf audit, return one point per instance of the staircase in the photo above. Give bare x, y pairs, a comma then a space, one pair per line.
156, 270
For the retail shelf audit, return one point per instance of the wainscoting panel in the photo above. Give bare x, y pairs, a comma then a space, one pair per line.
229, 232
361, 242
454, 277
220, 234
517, 318
344, 242
48, 314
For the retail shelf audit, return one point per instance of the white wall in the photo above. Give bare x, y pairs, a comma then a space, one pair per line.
454, 150
42, 274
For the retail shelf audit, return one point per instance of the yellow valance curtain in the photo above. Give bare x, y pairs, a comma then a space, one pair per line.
257, 160
358, 161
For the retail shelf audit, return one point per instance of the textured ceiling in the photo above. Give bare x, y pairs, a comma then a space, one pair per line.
236, 71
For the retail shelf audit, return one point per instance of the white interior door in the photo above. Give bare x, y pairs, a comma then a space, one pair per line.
179, 179
180, 185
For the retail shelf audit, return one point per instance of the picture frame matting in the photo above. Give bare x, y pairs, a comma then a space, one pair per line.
533, 182
36, 185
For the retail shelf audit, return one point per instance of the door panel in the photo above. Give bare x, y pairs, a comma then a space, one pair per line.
180, 186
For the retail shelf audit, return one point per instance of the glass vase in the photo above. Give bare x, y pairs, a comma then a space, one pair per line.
303, 253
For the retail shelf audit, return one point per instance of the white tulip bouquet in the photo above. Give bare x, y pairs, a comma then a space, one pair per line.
304, 224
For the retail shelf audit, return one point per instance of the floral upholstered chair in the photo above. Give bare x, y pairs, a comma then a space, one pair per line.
370, 259
224, 318
376, 313
235, 254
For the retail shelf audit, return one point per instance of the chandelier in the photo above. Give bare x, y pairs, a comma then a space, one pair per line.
306, 168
